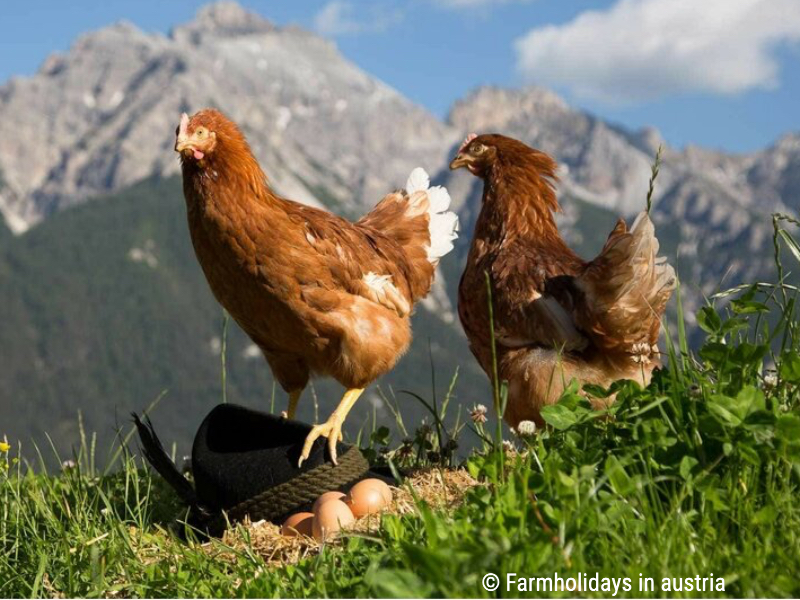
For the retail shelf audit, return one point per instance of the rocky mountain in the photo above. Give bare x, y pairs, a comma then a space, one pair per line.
600, 164
103, 115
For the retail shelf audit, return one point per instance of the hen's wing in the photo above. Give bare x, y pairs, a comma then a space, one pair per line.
347, 258
534, 298
615, 302
386, 257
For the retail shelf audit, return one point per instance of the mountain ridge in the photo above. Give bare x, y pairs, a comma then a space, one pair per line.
100, 117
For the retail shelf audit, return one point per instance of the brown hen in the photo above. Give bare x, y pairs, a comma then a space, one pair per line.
318, 294
557, 317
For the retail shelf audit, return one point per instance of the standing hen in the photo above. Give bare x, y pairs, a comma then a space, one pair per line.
557, 317
318, 294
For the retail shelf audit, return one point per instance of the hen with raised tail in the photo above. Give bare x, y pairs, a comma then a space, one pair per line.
558, 318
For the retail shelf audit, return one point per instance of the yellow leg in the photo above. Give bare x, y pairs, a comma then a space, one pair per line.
332, 428
294, 396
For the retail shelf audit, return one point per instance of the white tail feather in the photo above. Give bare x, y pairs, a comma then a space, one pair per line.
443, 225
418, 181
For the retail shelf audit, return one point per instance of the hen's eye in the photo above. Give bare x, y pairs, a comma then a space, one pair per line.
478, 148
200, 133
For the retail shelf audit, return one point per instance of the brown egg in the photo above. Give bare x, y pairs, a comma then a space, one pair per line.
299, 523
326, 497
385, 490
365, 499
329, 518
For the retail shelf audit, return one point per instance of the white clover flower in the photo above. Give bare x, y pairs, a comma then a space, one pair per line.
478, 414
526, 428
770, 380
641, 353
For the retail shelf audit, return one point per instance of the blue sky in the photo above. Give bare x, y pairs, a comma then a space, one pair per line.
718, 73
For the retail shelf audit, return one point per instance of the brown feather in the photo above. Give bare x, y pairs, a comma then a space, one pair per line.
294, 276
557, 317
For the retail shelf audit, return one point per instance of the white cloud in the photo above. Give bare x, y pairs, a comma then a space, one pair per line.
340, 17
645, 49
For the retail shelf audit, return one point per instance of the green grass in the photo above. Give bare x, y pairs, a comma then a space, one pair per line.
697, 474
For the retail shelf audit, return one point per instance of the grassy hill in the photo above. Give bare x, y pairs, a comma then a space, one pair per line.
104, 307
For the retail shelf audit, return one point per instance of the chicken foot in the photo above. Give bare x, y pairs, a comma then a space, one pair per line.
332, 428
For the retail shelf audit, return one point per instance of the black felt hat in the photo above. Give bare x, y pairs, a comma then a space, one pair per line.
244, 463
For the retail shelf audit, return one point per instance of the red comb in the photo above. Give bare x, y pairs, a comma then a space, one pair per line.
469, 138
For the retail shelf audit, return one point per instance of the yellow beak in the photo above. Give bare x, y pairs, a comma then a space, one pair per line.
461, 160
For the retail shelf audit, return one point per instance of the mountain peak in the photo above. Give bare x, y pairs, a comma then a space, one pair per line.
788, 142
222, 19
479, 107
102, 115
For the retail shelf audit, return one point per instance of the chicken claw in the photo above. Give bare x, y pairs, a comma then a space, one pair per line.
332, 429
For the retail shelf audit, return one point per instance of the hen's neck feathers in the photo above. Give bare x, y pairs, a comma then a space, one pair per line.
519, 200
231, 174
